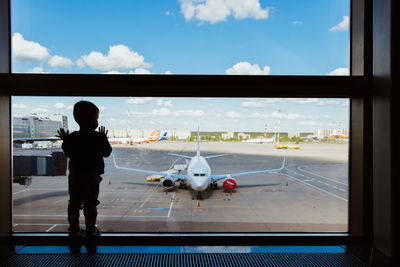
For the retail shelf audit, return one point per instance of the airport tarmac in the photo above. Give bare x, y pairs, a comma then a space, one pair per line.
309, 195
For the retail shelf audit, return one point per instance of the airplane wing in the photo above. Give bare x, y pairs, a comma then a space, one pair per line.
164, 174
181, 156
233, 175
215, 156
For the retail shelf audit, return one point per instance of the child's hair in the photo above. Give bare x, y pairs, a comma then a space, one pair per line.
84, 112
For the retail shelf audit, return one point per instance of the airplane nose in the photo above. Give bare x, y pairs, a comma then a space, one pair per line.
198, 185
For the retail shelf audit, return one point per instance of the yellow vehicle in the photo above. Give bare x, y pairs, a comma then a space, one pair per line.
288, 146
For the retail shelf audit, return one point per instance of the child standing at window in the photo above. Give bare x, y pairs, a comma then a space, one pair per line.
85, 149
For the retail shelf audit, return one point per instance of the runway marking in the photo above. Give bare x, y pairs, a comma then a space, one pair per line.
302, 175
316, 187
62, 199
170, 206
21, 191
313, 173
98, 216
51, 228
148, 197
104, 215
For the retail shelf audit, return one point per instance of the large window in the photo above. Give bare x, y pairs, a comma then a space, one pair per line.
292, 39
301, 143
251, 37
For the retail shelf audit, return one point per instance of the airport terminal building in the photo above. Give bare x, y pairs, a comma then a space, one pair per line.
38, 126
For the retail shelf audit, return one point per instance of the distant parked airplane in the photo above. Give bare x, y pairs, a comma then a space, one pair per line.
261, 140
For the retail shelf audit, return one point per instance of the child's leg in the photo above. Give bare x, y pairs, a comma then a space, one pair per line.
90, 204
74, 203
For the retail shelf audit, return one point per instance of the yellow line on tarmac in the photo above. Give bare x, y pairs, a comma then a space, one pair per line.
148, 197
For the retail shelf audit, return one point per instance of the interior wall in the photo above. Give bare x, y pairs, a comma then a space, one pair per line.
382, 127
5, 138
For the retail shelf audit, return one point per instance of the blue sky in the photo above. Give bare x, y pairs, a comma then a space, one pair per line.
256, 37
181, 36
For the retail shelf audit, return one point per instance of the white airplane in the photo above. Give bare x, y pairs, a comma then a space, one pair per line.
261, 140
198, 175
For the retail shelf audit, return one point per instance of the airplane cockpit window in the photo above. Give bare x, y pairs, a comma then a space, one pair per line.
190, 164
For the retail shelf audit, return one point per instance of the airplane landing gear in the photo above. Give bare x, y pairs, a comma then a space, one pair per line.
214, 185
199, 197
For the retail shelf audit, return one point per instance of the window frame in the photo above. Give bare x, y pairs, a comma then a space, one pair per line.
355, 87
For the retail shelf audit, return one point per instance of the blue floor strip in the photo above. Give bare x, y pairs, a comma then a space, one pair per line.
186, 249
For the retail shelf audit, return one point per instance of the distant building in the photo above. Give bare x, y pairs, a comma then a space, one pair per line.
332, 133
227, 135
293, 134
38, 126
243, 136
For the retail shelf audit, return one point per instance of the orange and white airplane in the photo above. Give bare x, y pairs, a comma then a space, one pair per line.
154, 136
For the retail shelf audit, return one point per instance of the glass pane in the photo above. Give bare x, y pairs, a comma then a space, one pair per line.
261, 165
251, 37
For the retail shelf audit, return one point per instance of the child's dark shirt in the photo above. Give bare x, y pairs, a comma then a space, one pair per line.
86, 150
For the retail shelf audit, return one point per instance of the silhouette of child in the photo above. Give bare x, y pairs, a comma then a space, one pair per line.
85, 149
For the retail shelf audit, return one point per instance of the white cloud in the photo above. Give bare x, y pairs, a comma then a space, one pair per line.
303, 100
27, 51
140, 71
189, 113
59, 105
259, 103
308, 123
214, 11
297, 22
340, 72
276, 115
19, 105
161, 112
166, 103
114, 72
40, 110
332, 102
138, 100
155, 112
59, 62
341, 26
80, 63
245, 68
119, 57
232, 114
36, 70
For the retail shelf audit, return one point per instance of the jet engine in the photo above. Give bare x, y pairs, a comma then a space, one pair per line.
229, 183
168, 183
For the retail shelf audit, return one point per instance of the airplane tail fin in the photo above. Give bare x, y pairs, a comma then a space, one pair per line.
198, 141
164, 136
